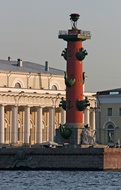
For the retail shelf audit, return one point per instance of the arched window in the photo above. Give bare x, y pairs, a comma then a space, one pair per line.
17, 85
110, 134
54, 87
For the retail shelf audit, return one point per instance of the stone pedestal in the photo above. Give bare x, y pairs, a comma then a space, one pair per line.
75, 137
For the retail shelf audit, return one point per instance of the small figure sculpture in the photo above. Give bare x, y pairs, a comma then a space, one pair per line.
86, 137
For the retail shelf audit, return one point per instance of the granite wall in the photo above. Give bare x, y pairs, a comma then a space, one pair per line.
61, 158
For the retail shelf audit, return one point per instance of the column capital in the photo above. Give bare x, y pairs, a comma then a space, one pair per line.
39, 106
14, 106
3, 104
52, 107
29, 106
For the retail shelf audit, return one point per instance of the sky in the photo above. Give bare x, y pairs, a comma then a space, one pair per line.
29, 30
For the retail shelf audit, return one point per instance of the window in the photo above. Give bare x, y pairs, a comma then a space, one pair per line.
54, 87
109, 111
112, 93
110, 134
17, 85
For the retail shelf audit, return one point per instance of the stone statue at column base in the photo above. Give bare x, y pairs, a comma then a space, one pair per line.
86, 137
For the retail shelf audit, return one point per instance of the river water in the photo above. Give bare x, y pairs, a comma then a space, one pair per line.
60, 180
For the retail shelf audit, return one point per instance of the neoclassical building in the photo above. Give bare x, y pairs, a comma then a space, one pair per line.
30, 95
108, 117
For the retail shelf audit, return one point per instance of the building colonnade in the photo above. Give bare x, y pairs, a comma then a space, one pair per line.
13, 128
31, 119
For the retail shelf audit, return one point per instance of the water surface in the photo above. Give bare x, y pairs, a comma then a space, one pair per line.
60, 180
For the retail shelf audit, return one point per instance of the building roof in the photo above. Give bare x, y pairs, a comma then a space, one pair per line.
9, 65
110, 92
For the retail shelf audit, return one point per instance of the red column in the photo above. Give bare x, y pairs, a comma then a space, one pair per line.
75, 92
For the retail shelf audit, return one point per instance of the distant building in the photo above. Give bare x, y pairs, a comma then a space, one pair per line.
108, 117
30, 94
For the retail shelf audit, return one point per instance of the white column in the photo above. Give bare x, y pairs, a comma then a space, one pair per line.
47, 123
27, 125
39, 125
51, 124
93, 120
2, 124
14, 135
87, 117
63, 116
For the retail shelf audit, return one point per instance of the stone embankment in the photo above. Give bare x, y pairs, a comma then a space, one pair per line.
60, 158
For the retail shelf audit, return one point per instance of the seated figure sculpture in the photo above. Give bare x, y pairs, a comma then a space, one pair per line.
86, 137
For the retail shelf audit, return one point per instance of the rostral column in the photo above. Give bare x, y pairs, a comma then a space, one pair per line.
75, 102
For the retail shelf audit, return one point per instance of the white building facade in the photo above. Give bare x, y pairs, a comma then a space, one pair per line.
108, 119
30, 95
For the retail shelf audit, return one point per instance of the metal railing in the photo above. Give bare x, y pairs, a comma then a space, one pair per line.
81, 32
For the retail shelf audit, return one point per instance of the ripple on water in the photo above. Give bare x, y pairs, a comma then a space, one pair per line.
62, 180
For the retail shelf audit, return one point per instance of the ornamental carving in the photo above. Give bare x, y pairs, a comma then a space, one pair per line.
63, 103
65, 132
81, 54
64, 53
69, 81
82, 104
21, 160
